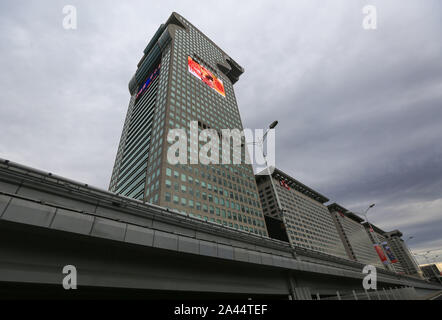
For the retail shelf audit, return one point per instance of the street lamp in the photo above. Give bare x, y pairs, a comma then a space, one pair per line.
365, 214
261, 145
369, 224
413, 257
375, 236
273, 124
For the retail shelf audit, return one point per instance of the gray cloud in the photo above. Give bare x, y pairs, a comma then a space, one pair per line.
359, 111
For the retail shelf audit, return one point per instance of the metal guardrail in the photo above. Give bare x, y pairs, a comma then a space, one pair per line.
405, 293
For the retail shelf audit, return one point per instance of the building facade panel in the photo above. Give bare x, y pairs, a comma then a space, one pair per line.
378, 236
402, 253
356, 241
304, 217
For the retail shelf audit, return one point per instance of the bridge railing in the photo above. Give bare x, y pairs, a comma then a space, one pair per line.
404, 293
129, 206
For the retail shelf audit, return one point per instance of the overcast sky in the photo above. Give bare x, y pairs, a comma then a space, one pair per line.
360, 112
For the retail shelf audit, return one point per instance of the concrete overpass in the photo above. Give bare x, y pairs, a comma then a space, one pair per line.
126, 248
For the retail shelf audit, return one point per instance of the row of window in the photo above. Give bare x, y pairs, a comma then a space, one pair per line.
216, 211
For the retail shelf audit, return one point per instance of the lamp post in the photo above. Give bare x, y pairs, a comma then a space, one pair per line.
375, 236
260, 143
413, 258
409, 238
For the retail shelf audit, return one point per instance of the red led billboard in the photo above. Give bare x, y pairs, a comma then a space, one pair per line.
206, 76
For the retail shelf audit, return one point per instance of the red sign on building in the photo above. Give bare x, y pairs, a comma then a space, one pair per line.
381, 254
284, 184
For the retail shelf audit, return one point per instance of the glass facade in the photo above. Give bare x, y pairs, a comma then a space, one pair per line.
220, 193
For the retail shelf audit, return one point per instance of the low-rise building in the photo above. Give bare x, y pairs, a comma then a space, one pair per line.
431, 272
296, 213
402, 252
356, 241
378, 237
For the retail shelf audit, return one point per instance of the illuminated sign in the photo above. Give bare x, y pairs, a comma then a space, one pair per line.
206, 76
149, 80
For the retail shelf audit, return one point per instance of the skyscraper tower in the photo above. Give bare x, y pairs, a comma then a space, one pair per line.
183, 76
